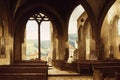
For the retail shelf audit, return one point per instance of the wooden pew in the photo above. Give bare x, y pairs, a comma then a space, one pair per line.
86, 66
22, 71
117, 76
26, 62
59, 64
106, 69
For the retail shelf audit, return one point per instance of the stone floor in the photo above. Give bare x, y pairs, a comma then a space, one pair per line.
54, 71
56, 74
70, 78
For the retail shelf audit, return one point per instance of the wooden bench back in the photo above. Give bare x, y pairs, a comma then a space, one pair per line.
24, 71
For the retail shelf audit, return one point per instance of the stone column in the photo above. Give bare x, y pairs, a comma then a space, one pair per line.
100, 49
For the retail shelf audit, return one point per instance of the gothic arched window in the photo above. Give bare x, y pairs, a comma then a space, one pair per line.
37, 37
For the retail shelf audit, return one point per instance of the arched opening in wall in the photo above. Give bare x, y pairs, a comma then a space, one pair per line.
37, 38
111, 26
80, 26
73, 30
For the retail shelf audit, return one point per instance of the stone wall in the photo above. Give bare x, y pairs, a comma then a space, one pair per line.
4, 30
109, 32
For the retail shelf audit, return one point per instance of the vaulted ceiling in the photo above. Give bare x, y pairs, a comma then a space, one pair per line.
59, 9
63, 7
